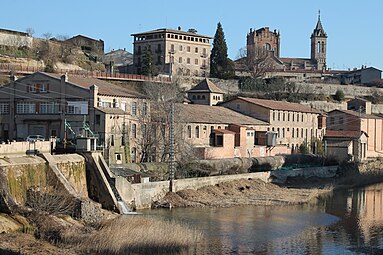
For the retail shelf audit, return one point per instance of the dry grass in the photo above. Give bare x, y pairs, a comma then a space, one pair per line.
140, 235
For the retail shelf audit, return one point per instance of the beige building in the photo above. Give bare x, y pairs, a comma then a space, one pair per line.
219, 132
295, 124
68, 107
206, 93
174, 52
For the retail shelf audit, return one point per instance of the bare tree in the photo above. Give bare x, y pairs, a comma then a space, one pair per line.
30, 31
256, 63
47, 35
62, 37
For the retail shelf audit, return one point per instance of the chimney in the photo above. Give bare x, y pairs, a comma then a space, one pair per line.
64, 77
12, 78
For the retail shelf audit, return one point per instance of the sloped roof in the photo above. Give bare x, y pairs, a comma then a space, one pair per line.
206, 86
167, 30
193, 113
355, 113
319, 30
343, 134
278, 105
111, 110
223, 131
104, 87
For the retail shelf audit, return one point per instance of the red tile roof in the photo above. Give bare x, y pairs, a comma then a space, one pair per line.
279, 105
357, 114
194, 113
342, 134
206, 86
104, 87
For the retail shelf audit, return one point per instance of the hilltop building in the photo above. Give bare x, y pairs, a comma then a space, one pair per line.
175, 52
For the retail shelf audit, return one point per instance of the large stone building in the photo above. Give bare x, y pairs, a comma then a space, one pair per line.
68, 107
264, 45
294, 124
173, 51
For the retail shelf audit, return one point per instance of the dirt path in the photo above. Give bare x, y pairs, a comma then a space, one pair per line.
240, 192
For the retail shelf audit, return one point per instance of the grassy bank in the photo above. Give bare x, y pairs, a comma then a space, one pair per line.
140, 235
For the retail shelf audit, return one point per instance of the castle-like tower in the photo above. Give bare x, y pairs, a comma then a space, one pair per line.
262, 40
319, 45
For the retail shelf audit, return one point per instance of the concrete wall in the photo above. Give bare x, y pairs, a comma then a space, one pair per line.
21, 148
142, 195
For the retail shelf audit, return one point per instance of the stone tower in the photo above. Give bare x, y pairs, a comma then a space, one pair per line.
319, 45
261, 41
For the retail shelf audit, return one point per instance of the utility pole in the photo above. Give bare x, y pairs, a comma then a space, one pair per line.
171, 149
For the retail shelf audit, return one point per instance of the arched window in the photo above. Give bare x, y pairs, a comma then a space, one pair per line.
278, 132
267, 46
203, 97
197, 132
297, 132
318, 49
322, 47
189, 132
283, 132
292, 132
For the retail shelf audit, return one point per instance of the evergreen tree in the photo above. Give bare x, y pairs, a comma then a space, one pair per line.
220, 65
147, 63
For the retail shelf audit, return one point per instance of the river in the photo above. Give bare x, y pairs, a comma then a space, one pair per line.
348, 222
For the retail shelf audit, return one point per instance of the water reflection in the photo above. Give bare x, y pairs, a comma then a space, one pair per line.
349, 222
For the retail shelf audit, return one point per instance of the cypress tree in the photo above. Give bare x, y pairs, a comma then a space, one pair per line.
220, 65
147, 63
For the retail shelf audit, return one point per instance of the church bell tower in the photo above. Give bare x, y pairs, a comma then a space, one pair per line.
319, 45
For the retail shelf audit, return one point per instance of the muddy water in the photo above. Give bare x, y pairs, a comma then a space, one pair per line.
349, 222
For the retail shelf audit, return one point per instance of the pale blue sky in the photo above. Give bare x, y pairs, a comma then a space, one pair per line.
354, 27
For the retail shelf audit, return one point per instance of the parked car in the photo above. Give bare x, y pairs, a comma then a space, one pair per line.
34, 138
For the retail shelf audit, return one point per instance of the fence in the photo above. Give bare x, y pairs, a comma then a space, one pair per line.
22, 69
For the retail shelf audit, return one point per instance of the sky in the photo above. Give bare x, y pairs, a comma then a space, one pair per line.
354, 27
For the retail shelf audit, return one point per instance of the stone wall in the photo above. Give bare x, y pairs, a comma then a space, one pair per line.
19, 174
141, 195
15, 39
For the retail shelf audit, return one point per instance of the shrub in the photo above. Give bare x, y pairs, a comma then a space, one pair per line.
339, 95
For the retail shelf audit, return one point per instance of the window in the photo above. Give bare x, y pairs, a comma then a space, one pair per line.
188, 61
196, 61
194, 97
297, 132
80, 107
279, 116
278, 134
302, 133
341, 120
292, 132
293, 116
32, 88
49, 107
133, 110
172, 47
145, 108
288, 116
26, 108
283, 132
196, 49
4, 108
197, 132
203, 97
189, 132
133, 154
273, 116
134, 130
188, 49
98, 119
180, 59
143, 130
180, 47
284, 116
297, 117
302, 117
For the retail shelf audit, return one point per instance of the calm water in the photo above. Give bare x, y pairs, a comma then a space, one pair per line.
349, 222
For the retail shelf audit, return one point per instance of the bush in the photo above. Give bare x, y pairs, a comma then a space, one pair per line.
339, 95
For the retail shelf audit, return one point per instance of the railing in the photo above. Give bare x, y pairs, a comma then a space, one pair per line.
21, 69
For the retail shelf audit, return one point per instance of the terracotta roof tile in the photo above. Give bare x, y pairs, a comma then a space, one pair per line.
206, 86
357, 114
193, 113
279, 105
104, 87
342, 134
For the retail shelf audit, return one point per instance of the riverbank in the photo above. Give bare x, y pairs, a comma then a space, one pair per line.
244, 192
